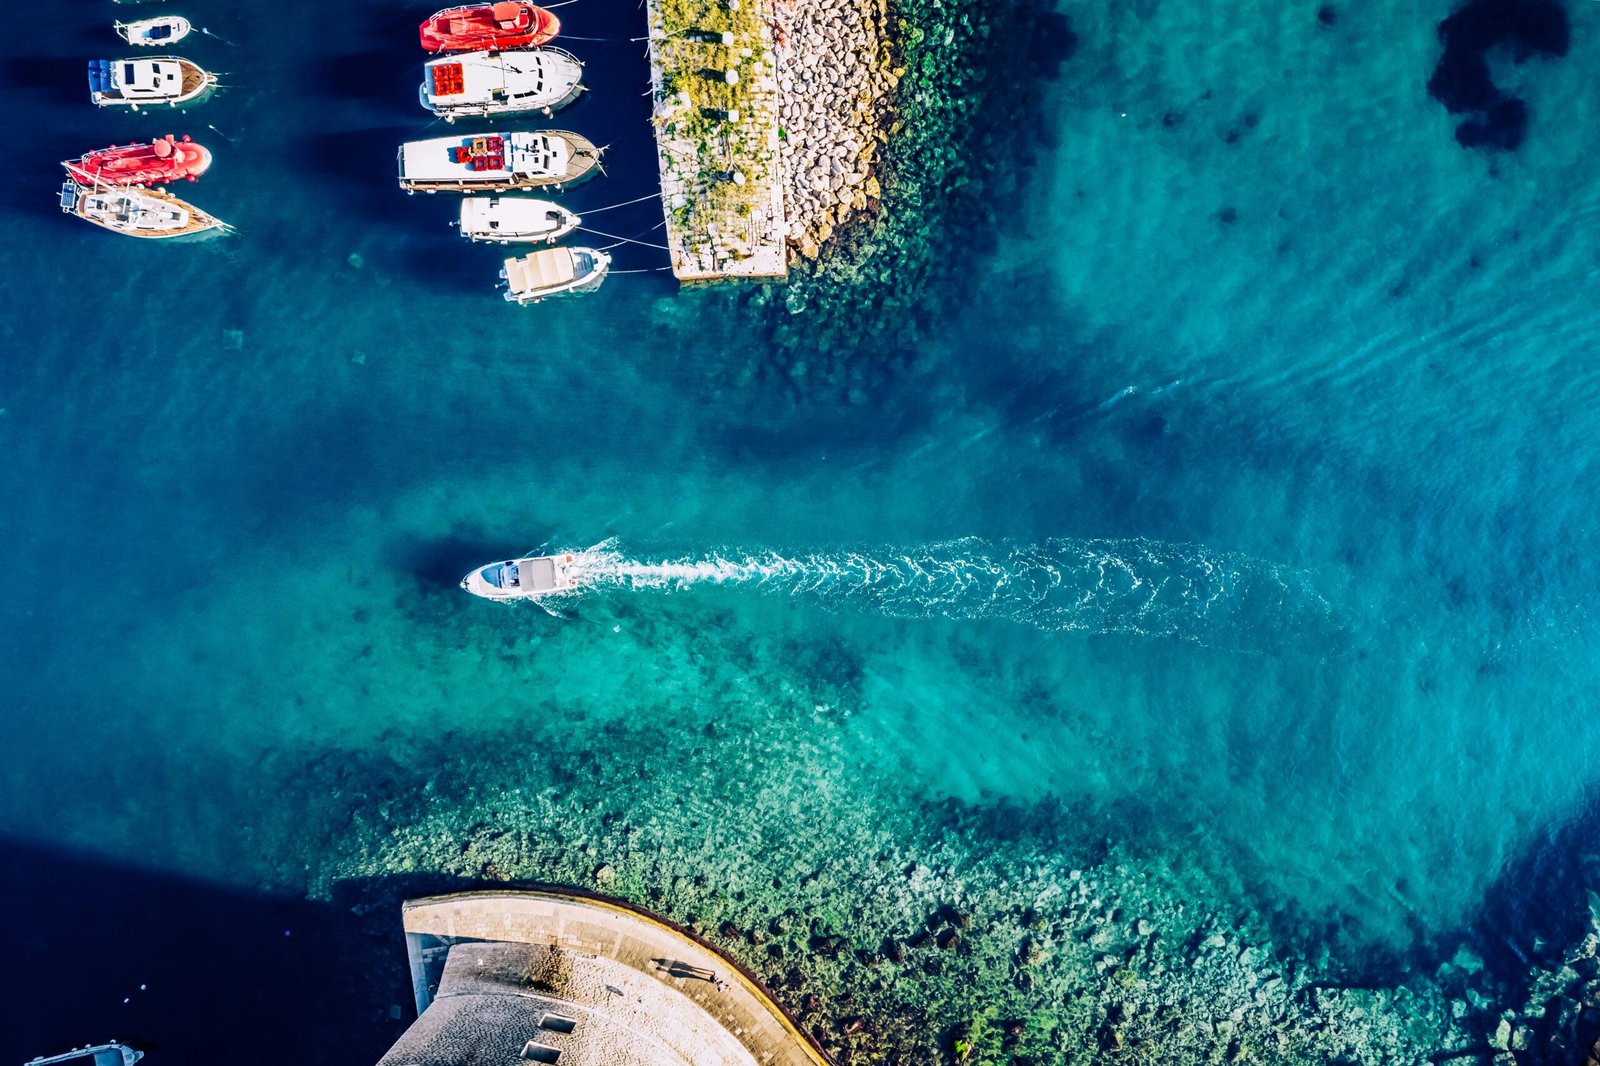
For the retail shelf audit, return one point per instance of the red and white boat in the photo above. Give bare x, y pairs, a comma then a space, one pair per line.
489, 28
154, 163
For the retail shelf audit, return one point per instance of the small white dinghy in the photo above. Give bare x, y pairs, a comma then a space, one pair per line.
523, 579
136, 83
515, 218
553, 272
152, 33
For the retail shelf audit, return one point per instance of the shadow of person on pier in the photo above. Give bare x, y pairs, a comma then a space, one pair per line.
684, 970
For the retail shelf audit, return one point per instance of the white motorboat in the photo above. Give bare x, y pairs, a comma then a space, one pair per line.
154, 32
553, 272
522, 219
137, 212
501, 83
523, 579
108, 1054
138, 83
493, 162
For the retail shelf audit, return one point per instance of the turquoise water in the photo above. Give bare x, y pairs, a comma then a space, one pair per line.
1271, 415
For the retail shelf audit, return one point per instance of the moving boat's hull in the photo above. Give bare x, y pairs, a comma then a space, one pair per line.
529, 578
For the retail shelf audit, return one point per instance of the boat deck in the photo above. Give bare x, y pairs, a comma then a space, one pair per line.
426, 166
194, 79
116, 210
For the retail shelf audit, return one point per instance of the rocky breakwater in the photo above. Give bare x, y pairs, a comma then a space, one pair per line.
1557, 1019
834, 84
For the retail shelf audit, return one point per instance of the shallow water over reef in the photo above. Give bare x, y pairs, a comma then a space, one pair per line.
1249, 304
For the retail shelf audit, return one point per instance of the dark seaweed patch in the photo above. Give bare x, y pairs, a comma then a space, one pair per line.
1461, 81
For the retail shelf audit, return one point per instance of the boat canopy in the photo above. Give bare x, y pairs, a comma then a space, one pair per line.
100, 76
509, 15
537, 271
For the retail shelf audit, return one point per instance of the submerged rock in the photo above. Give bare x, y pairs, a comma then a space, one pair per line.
1461, 80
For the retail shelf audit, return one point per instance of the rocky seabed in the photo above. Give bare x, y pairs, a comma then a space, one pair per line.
899, 933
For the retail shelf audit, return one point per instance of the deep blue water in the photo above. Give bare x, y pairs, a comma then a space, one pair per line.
1255, 323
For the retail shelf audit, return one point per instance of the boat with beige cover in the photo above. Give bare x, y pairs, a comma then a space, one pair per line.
553, 272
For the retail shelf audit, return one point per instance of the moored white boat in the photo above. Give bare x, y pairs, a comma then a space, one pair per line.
514, 218
523, 579
136, 83
493, 162
553, 272
136, 212
154, 32
501, 83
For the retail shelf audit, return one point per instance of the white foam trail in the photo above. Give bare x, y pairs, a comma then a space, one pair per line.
1093, 586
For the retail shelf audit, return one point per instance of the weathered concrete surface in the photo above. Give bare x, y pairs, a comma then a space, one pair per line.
618, 972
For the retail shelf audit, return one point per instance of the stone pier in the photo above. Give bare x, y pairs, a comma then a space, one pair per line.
547, 976
714, 85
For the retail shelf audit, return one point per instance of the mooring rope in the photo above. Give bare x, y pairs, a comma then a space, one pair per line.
625, 203
219, 37
622, 240
640, 270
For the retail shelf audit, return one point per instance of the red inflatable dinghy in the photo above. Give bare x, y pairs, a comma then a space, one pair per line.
155, 163
489, 27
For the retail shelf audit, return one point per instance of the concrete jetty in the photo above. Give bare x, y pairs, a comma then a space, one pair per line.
546, 976
715, 110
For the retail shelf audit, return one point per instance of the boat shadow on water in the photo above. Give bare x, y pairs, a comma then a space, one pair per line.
437, 563
364, 159
382, 75
58, 79
139, 951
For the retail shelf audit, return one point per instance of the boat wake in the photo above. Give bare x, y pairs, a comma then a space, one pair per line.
1137, 586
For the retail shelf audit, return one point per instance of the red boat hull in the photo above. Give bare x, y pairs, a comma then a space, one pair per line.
489, 27
156, 163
